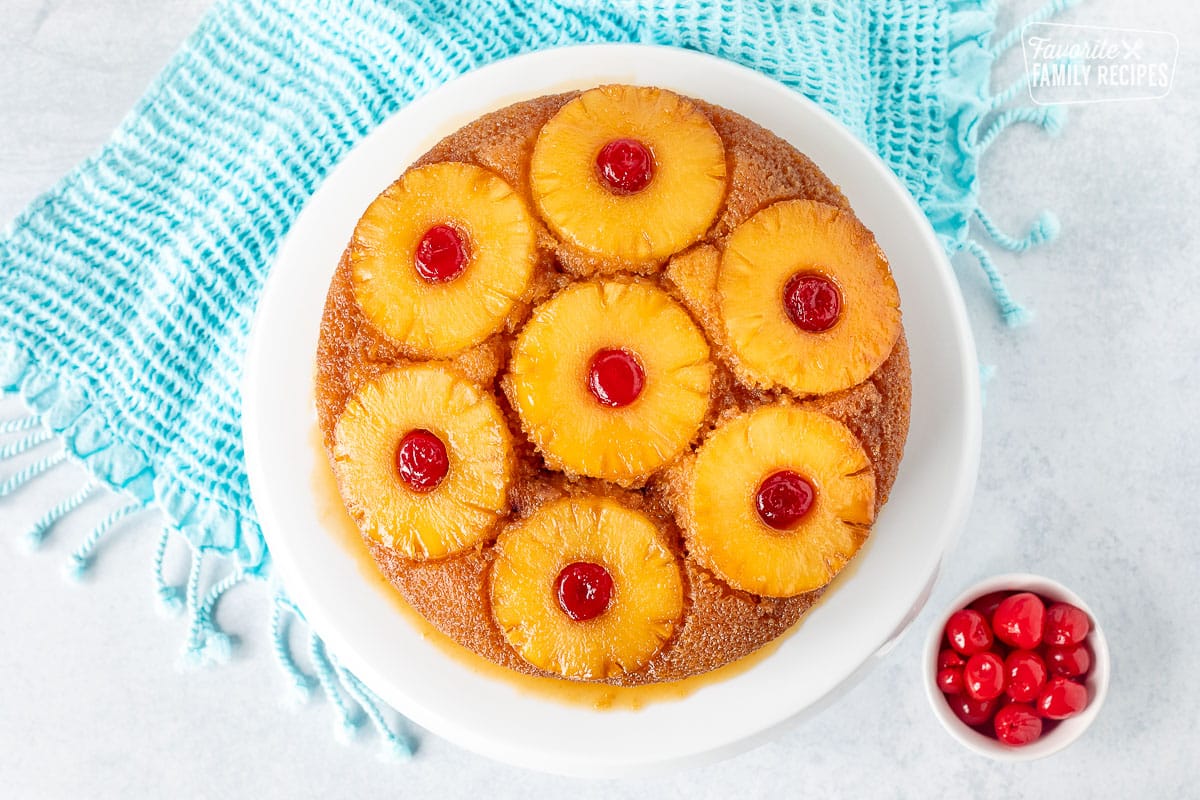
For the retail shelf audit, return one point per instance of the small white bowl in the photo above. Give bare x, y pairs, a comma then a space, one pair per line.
1068, 730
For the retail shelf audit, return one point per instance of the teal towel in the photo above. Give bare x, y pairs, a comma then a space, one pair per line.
128, 289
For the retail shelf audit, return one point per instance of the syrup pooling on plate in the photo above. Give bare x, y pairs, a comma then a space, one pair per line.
335, 520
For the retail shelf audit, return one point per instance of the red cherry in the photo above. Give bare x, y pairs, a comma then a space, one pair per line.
1071, 661
625, 166
949, 658
783, 499
584, 590
1061, 698
971, 710
1018, 620
968, 632
1065, 624
441, 254
988, 604
422, 461
983, 676
1016, 724
812, 302
1026, 674
615, 378
950, 680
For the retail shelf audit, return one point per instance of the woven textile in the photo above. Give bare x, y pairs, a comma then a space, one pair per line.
128, 289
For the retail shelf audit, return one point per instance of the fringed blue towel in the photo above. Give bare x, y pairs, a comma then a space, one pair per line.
127, 290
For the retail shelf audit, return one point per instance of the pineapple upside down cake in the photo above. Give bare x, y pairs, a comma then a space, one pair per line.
613, 383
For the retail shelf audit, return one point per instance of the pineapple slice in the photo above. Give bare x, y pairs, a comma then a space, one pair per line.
807, 299
585, 588
631, 172
441, 256
779, 500
611, 380
423, 460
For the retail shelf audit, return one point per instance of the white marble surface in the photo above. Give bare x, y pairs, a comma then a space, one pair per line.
1090, 464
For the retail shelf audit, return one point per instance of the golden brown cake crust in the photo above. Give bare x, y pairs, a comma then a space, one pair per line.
720, 624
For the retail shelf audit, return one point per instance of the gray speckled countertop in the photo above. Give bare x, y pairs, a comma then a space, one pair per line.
1091, 460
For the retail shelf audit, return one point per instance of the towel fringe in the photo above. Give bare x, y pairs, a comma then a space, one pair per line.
81, 559
1044, 13
1051, 119
207, 643
352, 702
396, 745
1006, 96
347, 720
282, 614
1013, 313
37, 534
39, 467
18, 424
24, 445
170, 598
1045, 228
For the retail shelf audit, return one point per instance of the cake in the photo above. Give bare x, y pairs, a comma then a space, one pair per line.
613, 383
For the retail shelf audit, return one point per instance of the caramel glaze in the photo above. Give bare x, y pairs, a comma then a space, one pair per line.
720, 624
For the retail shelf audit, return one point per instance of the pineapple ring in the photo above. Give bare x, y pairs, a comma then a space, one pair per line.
672, 212
463, 509
548, 380
762, 254
647, 598
440, 319
724, 531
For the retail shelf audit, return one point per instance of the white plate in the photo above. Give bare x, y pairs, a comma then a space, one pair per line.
860, 619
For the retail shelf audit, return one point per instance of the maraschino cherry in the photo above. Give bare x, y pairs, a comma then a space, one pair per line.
421, 460
441, 254
625, 166
812, 302
584, 590
783, 499
615, 377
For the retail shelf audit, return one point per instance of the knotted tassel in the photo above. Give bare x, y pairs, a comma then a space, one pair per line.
281, 616
81, 559
1044, 229
1013, 313
37, 534
396, 746
170, 598
207, 643
348, 722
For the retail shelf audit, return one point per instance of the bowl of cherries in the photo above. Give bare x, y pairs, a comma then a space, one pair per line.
1017, 668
